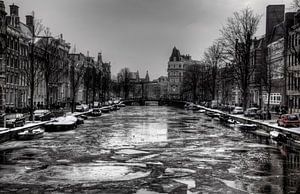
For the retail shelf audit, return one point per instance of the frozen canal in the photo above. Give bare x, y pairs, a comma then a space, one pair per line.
148, 150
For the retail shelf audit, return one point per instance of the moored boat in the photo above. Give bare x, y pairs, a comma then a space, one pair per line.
247, 127
30, 134
95, 112
61, 124
83, 117
278, 137
201, 111
121, 105
105, 109
80, 121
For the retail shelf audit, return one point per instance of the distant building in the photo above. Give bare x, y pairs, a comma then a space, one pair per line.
163, 83
276, 63
258, 71
55, 53
176, 67
3, 44
17, 58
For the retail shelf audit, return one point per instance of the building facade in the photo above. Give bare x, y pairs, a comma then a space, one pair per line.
293, 66
3, 50
18, 35
176, 68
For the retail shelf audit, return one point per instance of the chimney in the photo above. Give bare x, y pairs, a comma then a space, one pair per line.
274, 16
29, 21
289, 19
100, 58
297, 17
2, 7
14, 10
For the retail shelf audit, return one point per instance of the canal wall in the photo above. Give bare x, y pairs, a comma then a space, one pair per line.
7, 134
264, 125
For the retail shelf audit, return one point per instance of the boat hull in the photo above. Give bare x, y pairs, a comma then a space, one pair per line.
54, 127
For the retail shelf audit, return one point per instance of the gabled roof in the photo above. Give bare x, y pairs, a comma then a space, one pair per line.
175, 54
25, 31
277, 33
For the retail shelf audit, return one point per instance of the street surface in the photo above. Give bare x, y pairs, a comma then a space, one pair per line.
148, 150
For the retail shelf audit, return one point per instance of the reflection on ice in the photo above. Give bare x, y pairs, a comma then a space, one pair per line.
93, 173
140, 134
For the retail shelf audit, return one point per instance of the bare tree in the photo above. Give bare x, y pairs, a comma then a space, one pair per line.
191, 81
213, 57
237, 38
33, 73
88, 81
295, 4
105, 81
77, 74
53, 58
124, 80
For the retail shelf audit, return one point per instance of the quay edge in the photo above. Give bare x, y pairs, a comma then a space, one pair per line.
293, 132
7, 134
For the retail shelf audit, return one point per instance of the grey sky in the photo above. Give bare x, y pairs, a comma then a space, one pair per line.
139, 34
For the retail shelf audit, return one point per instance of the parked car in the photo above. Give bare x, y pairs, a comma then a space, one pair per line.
214, 104
238, 110
250, 112
289, 120
261, 114
96, 105
15, 120
82, 108
42, 115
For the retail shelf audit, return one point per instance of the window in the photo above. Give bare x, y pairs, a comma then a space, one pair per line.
275, 98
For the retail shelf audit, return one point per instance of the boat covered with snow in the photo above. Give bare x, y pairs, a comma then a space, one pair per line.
63, 123
247, 127
30, 134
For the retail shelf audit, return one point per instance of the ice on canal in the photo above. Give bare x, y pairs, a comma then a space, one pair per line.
149, 150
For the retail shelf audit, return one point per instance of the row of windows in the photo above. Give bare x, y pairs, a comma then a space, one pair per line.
14, 97
175, 73
292, 60
295, 103
293, 40
15, 63
13, 44
175, 80
12, 78
23, 51
293, 82
176, 66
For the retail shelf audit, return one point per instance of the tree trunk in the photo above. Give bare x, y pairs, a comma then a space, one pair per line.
32, 82
47, 92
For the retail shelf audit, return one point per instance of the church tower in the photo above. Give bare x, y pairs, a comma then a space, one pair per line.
147, 79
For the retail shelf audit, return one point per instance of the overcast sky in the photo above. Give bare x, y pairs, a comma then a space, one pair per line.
139, 34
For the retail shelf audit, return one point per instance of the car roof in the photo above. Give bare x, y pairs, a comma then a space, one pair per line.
253, 108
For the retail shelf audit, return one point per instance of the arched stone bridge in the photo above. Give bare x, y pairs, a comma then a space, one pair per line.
161, 102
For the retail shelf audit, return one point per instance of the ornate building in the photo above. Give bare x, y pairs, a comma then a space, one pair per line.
176, 67
3, 46
18, 35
